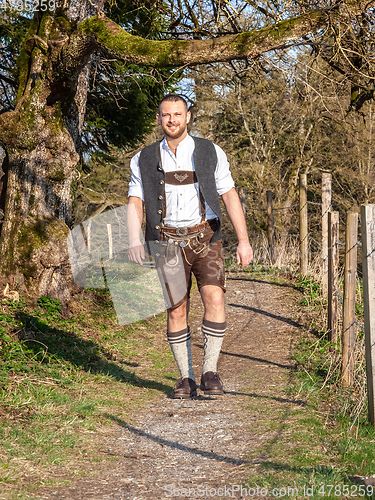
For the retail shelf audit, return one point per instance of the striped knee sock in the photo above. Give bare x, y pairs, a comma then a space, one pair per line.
213, 334
180, 343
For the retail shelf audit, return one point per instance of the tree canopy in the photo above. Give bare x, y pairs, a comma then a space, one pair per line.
121, 98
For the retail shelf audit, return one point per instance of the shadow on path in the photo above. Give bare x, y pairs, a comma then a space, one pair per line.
270, 315
176, 445
253, 280
298, 402
245, 356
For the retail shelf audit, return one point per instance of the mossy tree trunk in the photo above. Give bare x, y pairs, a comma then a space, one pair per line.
42, 140
41, 136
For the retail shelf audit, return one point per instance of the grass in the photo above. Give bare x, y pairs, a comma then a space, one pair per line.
62, 375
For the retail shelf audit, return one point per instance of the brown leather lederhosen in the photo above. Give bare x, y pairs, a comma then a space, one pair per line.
187, 250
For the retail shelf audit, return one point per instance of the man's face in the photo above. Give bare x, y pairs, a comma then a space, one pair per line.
173, 118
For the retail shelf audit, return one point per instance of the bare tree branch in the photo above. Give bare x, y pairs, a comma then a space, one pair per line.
260, 9
7, 80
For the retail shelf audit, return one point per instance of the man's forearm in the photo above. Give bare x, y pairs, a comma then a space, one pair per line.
135, 216
234, 209
232, 203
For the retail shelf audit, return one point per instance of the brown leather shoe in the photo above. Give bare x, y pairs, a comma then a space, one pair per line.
184, 388
211, 383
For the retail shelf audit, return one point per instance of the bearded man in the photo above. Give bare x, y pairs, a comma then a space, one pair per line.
178, 181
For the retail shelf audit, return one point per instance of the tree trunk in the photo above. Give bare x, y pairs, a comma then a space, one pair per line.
38, 209
42, 141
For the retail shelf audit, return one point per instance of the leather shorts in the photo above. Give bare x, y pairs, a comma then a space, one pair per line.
187, 255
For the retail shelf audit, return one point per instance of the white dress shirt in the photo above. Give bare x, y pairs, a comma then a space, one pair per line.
182, 202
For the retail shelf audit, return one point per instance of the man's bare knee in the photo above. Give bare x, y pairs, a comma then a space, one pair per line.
213, 301
179, 313
212, 296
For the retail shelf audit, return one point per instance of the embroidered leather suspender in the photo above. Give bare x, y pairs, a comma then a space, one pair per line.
182, 178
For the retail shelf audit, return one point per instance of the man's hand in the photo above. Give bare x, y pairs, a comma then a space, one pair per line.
136, 253
244, 254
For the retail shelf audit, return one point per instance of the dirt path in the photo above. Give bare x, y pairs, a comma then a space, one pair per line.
208, 444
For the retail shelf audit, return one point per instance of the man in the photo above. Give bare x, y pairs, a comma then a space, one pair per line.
178, 182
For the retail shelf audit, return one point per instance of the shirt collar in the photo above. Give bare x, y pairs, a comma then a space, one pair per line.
185, 143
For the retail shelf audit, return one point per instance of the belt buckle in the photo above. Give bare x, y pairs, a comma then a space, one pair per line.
181, 231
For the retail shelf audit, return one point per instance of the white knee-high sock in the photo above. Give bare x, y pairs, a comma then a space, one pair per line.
180, 343
213, 335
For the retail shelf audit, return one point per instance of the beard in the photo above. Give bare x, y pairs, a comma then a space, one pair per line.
175, 133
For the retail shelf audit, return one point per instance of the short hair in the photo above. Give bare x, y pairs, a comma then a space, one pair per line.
173, 98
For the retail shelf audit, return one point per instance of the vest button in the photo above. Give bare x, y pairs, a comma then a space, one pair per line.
160, 197
161, 182
160, 212
157, 227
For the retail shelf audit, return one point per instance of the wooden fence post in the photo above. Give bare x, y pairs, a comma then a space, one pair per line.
326, 207
303, 236
348, 334
333, 274
368, 269
271, 231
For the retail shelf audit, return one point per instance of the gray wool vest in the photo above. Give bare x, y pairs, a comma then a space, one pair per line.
153, 181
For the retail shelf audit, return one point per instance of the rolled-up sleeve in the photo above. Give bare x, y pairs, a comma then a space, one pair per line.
223, 177
135, 184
